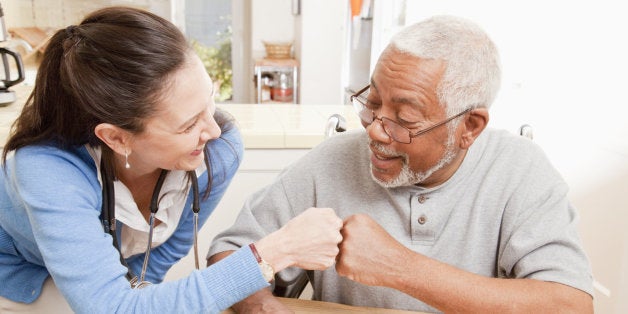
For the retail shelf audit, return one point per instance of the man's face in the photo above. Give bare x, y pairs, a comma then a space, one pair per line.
403, 89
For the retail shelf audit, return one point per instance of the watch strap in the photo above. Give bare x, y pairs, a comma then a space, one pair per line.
255, 253
267, 270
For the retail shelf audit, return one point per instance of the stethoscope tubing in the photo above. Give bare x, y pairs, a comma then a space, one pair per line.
109, 221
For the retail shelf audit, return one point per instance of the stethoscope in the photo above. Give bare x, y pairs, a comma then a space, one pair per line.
108, 218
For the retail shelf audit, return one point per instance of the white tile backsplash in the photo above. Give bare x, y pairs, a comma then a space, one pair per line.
61, 13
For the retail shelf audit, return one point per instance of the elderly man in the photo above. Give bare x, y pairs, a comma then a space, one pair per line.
440, 212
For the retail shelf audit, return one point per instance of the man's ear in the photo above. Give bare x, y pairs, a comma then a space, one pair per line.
116, 138
473, 125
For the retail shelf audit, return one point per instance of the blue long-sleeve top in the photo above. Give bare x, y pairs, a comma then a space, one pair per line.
50, 202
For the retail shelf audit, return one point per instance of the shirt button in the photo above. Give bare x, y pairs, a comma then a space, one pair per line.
422, 199
422, 219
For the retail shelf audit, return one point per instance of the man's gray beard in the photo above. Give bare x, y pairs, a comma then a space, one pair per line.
407, 177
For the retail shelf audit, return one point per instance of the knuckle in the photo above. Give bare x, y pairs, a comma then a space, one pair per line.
339, 238
329, 263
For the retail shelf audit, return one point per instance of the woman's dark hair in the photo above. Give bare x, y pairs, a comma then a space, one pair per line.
111, 68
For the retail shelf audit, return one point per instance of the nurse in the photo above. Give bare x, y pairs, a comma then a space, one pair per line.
117, 141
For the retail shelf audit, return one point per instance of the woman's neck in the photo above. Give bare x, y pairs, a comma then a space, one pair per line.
141, 183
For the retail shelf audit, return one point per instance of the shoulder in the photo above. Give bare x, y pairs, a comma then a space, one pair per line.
522, 159
48, 159
507, 146
338, 153
227, 148
225, 153
46, 172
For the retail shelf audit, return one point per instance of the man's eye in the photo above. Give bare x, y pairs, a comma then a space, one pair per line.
407, 123
372, 104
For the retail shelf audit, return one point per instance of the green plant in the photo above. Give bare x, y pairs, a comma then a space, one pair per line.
217, 62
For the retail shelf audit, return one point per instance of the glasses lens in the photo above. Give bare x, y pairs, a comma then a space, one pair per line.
359, 105
396, 131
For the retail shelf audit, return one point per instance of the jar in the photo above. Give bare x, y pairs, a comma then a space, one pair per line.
282, 88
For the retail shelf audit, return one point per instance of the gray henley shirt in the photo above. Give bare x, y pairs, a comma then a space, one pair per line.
504, 213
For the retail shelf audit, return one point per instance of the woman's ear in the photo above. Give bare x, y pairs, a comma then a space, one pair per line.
473, 125
116, 138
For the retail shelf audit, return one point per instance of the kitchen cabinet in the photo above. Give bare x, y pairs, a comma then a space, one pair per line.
276, 81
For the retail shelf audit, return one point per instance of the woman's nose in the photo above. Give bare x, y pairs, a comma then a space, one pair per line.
211, 130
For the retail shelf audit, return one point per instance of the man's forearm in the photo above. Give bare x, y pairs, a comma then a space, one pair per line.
217, 257
454, 290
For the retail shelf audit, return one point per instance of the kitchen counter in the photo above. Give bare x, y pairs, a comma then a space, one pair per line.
266, 126
287, 125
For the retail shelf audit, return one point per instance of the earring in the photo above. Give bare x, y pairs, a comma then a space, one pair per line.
126, 160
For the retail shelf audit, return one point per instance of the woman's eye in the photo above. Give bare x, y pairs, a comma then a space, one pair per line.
191, 127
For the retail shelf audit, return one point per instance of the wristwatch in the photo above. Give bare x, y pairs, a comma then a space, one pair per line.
267, 270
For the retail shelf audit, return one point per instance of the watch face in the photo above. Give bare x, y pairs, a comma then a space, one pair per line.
267, 271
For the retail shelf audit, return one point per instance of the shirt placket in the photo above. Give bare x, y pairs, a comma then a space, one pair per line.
422, 228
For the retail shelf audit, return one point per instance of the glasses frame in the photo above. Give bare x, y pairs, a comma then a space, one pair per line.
382, 120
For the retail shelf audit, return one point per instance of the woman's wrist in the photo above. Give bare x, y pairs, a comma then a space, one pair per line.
270, 250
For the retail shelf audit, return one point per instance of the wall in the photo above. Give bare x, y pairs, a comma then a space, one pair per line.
241, 51
61, 13
271, 20
564, 74
321, 38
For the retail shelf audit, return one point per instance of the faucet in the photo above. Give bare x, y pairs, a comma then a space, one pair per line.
336, 123
15, 42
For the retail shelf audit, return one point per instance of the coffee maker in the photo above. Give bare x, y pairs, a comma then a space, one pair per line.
11, 60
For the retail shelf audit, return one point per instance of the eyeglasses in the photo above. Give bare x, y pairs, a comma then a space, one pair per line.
396, 131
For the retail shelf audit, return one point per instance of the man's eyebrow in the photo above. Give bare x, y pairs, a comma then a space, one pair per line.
405, 101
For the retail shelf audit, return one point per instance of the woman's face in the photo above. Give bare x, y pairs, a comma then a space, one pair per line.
174, 138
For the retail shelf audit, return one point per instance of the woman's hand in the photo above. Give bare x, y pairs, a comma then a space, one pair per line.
309, 241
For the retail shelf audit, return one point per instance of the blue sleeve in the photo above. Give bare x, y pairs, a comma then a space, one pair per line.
225, 155
60, 197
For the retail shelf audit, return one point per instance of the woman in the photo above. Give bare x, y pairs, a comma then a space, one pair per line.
118, 140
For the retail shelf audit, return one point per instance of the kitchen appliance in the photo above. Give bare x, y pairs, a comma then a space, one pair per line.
8, 96
6, 67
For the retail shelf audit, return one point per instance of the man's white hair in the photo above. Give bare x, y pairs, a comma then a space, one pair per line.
472, 75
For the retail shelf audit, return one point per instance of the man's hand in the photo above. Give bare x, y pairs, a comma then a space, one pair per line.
368, 254
262, 301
